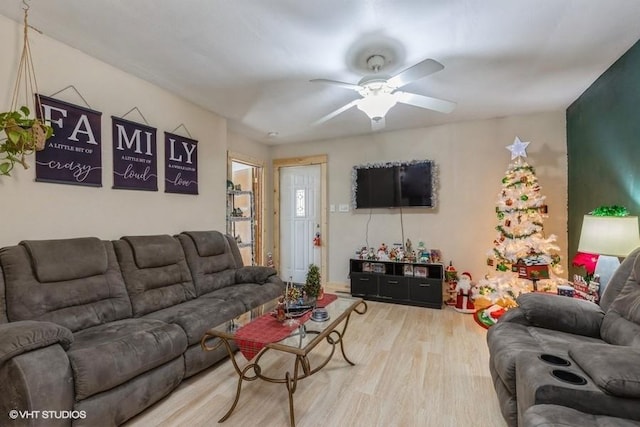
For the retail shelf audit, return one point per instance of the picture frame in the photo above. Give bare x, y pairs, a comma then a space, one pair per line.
366, 267
377, 267
419, 271
407, 270
436, 256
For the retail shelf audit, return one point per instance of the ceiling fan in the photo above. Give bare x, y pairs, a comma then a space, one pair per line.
380, 92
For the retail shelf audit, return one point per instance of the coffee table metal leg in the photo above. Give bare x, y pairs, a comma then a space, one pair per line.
241, 377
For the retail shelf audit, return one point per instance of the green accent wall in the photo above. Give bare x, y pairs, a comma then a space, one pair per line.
603, 144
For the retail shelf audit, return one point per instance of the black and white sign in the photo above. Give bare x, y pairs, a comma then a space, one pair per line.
135, 156
181, 164
73, 155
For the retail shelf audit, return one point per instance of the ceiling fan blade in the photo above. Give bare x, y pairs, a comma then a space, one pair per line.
334, 113
337, 83
377, 124
428, 102
415, 72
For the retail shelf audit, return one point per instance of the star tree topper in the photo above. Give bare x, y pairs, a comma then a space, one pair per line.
518, 148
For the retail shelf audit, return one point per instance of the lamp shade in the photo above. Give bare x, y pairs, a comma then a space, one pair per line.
609, 235
377, 105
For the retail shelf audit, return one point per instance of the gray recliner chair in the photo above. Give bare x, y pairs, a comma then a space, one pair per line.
570, 352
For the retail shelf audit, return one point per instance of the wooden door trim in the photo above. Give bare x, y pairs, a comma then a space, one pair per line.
321, 160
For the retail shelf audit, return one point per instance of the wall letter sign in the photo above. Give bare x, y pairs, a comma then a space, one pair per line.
135, 156
73, 154
181, 164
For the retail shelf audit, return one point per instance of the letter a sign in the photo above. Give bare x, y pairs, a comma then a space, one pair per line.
73, 155
181, 164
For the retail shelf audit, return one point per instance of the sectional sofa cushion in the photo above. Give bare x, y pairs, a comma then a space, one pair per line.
621, 324
196, 316
208, 243
154, 251
256, 274
51, 258
108, 355
250, 294
89, 291
562, 416
620, 277
155, 272
613, 368
578, 316
210, 259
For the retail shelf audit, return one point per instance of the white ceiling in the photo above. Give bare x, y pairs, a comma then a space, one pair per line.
251, 60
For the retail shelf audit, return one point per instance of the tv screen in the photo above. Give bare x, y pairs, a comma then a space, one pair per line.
390, 185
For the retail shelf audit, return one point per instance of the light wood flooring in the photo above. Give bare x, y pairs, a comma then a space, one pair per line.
414, 367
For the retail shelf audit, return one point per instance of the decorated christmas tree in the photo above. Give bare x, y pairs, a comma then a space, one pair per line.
522, 257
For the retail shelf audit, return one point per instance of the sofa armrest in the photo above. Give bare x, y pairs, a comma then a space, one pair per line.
20, 337
514, 315
254, 274
564, 314
613, 368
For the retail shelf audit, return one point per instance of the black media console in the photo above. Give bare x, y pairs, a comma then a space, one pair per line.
397, 282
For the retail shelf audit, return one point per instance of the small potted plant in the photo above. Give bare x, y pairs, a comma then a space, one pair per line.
312, 287
23, 136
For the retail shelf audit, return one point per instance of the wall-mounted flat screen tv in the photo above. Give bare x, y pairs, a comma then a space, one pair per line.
392, 185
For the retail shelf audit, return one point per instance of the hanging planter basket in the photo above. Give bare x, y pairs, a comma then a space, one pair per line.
23, 134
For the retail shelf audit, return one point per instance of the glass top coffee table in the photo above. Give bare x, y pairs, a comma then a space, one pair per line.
296, 336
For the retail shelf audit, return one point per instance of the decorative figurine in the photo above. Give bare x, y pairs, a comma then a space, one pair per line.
382, 253
464, 288
408, 247
451, 279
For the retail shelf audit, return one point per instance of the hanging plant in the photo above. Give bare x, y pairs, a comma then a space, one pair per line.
23, 135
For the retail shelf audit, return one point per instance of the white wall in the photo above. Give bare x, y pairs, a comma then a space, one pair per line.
472, 159
33, 210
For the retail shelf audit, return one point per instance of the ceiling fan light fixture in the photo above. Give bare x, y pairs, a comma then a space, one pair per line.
377, 106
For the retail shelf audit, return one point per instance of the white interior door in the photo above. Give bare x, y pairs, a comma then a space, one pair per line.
299, 220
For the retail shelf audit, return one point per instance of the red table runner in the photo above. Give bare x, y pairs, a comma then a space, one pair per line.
266, 329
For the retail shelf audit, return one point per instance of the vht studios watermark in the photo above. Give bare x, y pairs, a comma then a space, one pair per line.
47, 415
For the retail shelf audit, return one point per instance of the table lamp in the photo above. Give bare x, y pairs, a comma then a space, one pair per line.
610, 237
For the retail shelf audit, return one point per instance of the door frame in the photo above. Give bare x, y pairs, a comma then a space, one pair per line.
320, 159
258, 200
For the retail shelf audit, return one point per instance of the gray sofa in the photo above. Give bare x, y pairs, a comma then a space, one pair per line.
93, 332
579, 361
